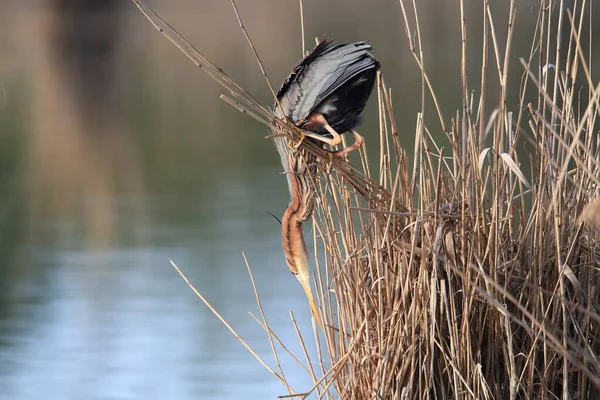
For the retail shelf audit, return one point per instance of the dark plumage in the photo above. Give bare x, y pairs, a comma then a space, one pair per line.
329, 89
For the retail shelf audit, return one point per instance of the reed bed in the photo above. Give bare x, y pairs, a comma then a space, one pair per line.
470, 271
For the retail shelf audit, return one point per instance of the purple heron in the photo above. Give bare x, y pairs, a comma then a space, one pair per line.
324, 97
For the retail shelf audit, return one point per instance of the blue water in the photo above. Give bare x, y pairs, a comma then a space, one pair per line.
97, 321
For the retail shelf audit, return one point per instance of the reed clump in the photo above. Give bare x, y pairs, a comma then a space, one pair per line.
476, 276
472, 273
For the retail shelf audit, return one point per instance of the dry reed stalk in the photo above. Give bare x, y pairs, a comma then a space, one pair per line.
469, 276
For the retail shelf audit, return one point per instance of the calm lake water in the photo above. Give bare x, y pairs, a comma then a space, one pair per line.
86, 319
116, 155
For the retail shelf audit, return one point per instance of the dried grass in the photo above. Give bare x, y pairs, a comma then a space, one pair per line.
475, 274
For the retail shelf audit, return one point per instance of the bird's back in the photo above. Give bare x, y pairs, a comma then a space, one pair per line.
324, 70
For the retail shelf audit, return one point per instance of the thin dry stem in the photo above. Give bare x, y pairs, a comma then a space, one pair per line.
473, 274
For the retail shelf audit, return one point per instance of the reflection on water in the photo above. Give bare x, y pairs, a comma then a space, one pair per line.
102, 185
118, 322
117, 155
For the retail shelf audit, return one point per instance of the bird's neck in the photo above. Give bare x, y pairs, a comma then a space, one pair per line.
293, 243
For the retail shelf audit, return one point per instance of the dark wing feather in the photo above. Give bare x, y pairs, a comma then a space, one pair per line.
320, 49
344, 73
320, 74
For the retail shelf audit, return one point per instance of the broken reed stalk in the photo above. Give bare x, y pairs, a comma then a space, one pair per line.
475, 275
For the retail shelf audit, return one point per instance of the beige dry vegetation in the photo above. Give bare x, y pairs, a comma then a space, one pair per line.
473, 273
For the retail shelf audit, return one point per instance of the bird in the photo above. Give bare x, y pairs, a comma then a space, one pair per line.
324, 97
328, 90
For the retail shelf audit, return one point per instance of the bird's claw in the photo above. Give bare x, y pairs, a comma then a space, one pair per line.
358, 142
295, 146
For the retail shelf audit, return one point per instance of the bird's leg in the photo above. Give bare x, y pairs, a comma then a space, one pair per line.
291, 145
358, 141
317, 119
296, 146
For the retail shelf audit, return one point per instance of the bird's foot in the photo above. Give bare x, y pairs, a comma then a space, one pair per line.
358, 142
332, 155
296, 146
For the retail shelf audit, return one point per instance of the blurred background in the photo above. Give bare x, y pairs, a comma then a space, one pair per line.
117, 155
